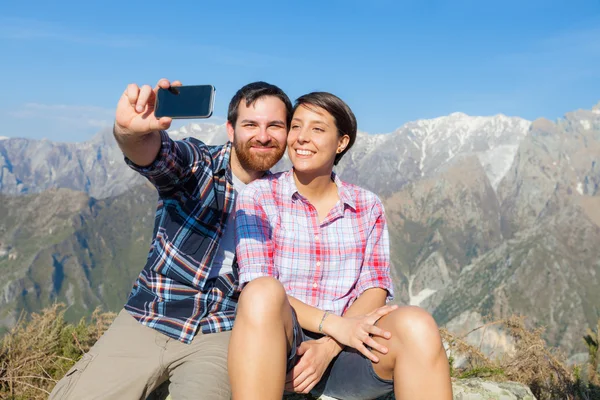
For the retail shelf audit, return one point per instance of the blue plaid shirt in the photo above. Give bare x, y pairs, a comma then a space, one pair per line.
172, 293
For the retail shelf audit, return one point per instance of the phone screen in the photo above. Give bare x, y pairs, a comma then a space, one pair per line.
185, 102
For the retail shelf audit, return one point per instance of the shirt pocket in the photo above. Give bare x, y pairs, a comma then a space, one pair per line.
199, 224
169, 261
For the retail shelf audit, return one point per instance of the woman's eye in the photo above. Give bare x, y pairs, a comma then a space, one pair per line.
319, 130
295, 126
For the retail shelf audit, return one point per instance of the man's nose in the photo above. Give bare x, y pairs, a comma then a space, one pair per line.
263, 136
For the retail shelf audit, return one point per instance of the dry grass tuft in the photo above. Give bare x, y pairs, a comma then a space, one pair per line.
533, 363
37, 352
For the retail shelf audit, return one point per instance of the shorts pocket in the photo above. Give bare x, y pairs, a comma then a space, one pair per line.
71, 378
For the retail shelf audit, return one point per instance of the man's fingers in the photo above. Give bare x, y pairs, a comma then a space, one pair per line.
160, 124
144, 96
164, 83
176, 83
132, 92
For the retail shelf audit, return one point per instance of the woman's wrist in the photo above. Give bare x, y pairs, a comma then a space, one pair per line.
329, 325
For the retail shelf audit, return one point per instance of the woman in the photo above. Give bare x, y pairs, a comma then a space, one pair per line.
313, 258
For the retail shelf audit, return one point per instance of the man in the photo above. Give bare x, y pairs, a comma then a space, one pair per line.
177, 321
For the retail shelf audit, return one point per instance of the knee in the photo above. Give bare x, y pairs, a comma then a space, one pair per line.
415, 329
262, 299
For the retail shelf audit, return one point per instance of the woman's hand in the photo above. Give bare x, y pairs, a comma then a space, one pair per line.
358, 331
315, 357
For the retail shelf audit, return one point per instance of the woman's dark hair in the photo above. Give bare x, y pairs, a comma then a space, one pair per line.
344, 118
254, 91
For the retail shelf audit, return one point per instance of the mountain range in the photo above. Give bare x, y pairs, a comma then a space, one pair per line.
488, 216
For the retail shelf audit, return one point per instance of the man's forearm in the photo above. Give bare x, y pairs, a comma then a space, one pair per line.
140, 149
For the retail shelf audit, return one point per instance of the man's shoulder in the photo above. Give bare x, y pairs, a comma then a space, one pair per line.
199, 144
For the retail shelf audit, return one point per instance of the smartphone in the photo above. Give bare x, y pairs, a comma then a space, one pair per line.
185, 102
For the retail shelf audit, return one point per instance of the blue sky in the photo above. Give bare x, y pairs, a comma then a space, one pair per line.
66, 63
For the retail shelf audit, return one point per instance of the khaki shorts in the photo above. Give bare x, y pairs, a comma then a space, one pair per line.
130, 360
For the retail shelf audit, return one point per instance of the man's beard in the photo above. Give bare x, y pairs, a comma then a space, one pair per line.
254, 161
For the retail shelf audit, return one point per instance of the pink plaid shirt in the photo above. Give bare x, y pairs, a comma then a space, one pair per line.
326, 265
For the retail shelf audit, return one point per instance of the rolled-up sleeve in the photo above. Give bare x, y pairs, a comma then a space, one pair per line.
254, 244
375, 271
175, 163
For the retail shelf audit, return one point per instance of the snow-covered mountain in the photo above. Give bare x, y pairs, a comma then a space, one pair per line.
383, 163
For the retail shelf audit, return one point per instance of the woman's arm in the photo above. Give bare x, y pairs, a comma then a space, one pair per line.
310, 317
370, 300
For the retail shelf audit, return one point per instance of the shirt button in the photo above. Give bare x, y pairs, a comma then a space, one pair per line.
318, 263
315, 285
317, 238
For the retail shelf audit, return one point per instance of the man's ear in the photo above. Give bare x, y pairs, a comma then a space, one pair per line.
230, 131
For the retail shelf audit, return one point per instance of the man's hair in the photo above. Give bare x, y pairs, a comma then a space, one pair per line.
254, 91
344, 118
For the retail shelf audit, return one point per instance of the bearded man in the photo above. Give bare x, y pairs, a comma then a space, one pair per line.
177, 320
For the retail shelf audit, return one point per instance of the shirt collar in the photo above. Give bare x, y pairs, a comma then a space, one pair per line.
290, 190
223, 157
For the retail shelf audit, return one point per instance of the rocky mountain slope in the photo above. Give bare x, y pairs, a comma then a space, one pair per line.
488, 216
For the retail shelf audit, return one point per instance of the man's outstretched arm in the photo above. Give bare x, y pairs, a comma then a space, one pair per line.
136, 129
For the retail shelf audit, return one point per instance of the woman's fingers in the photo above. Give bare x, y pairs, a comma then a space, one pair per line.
374, 330
385, 310
375, 346
366, 352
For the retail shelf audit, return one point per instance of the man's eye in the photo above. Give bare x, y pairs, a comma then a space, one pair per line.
319, 130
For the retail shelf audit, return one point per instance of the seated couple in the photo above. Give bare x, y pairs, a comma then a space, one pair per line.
309, 253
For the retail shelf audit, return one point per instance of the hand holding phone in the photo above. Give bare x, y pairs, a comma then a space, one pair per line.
135, 111
185, 101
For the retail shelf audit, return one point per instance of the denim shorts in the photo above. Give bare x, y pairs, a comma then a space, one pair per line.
350, 376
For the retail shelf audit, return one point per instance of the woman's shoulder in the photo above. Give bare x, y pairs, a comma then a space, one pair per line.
361, 195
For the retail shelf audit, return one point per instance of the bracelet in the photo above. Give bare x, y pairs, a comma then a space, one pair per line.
323, 319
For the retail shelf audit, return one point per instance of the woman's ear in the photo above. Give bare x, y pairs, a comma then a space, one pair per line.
343, 143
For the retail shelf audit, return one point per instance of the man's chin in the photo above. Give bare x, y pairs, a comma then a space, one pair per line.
256, 163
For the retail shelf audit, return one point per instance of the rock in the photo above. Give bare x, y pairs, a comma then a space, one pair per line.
464, 389
479, 389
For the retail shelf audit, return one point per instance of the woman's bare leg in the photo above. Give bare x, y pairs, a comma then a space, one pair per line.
260, 341
416, 359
